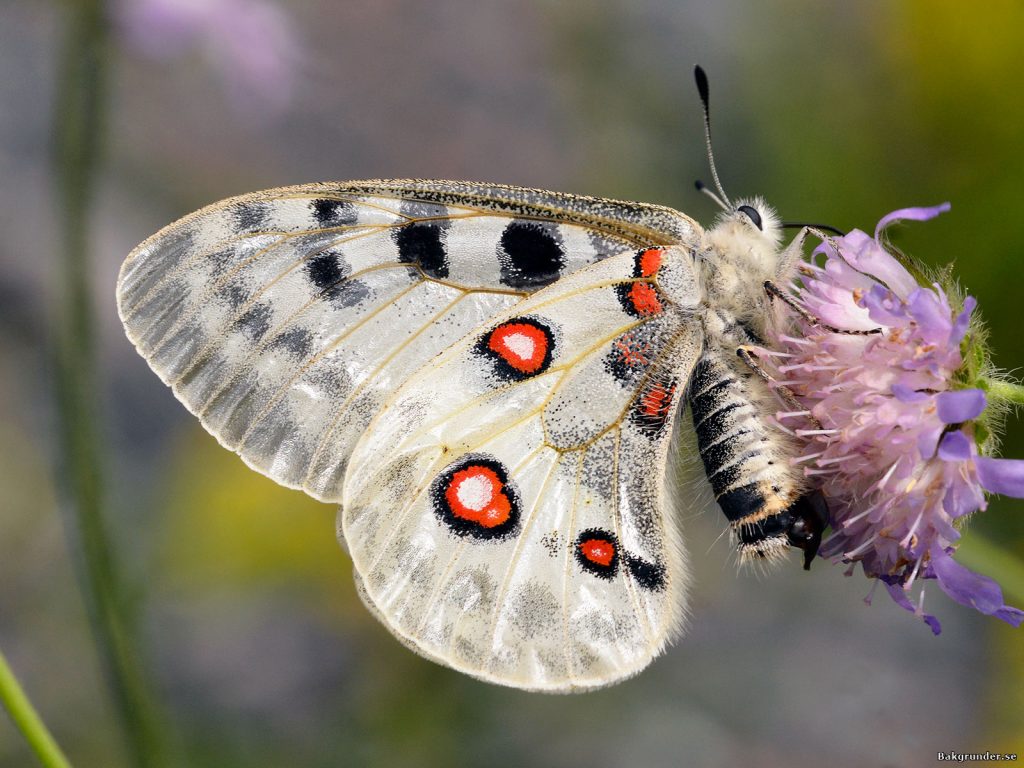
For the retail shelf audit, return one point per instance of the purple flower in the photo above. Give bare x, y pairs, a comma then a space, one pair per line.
251, 43
893, 420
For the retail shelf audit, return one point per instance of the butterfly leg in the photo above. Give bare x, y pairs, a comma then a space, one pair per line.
809, 512
749, 357
775, 292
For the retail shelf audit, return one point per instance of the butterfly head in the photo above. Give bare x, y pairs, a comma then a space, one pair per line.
751, 219
746, 238
742, 252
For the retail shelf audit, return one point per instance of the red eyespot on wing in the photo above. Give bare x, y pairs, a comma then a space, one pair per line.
475, 494
597, 551
644, 299
653, 408
473, 498
632, 352
656, 401
522, 347
649, 261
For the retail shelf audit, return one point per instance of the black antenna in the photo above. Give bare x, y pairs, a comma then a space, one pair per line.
801, 224
702, 89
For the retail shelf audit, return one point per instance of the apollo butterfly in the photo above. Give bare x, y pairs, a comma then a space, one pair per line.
486, 378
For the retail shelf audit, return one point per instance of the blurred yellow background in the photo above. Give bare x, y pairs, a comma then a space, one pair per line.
255, 646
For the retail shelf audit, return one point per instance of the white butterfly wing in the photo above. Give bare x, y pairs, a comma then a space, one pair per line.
506, 511
285, 318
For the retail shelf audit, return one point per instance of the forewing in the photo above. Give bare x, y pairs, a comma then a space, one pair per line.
505, 512
285, 318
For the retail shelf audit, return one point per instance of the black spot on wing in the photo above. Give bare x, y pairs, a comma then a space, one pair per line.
249, 217
219, 262
348, 293
255, 322
422, 244
650, 576
333, 213
531, 253
622, 365
326, 269
298, 342
233, 294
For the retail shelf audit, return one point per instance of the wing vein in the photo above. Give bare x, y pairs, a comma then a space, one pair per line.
485, 396
617, 525
567, 569
284, 237
271, 334
520, 543
325, 435
283, 389
439, 588
197, 307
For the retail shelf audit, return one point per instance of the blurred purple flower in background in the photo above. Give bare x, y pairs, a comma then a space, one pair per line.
894, 419
252, 44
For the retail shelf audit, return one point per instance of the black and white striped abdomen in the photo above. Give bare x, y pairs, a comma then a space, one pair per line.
745, 458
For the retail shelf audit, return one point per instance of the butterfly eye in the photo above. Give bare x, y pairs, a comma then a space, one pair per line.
752, 214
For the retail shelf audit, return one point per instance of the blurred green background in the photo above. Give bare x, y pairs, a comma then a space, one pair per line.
255, 648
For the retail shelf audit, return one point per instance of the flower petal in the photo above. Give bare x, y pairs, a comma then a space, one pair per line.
868, 256
963, 320
1004, 476
905, 394
963, 497
972, 589
955, 446
960, 405
911, 214
884, 307
899, 596
932, 315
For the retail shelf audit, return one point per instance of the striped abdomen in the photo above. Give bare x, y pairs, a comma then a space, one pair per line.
745, 458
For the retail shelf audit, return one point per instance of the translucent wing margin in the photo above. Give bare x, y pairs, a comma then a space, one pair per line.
506, 511
283, 319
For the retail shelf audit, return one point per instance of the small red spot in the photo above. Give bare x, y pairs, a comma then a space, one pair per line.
656, 401
598, 551
650, 261
475, 494
632, 351
644, 299
522, 345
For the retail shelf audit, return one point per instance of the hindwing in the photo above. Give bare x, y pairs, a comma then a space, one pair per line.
505, 511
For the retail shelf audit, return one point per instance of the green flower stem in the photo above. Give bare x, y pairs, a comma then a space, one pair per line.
27, 720
979, 554
78, 124
1005, 390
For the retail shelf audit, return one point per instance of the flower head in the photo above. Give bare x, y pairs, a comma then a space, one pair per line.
896, 418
